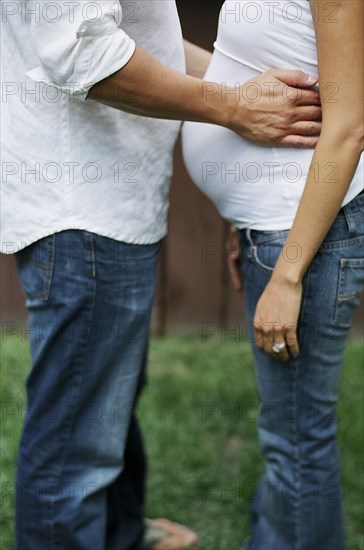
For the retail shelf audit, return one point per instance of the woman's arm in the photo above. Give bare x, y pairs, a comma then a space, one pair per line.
197, 59
340, 57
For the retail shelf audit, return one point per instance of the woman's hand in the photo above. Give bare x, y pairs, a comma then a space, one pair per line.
276, 319
232, 250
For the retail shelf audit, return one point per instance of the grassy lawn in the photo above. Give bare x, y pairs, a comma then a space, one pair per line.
199, 418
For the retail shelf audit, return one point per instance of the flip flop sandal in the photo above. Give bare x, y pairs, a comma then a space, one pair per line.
163, 534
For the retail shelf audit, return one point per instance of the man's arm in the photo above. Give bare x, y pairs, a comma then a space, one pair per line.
148, 88
95, 59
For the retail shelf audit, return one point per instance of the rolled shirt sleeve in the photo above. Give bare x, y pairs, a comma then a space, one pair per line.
79, 43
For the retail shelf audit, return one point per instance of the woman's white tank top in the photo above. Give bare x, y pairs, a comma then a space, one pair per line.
251, 185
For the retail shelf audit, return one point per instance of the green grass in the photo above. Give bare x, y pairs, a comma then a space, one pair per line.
203, 463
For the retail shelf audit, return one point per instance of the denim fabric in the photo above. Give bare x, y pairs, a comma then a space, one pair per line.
126, 495
89, 300
298, 503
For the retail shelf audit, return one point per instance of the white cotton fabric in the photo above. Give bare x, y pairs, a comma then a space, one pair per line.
69, 163
253, 186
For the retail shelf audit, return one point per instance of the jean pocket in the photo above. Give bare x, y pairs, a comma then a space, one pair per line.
35, 266
351, 281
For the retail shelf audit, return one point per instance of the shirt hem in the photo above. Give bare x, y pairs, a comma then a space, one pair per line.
12, 247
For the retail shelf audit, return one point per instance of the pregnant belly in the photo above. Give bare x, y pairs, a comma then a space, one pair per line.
250, 185
246, 182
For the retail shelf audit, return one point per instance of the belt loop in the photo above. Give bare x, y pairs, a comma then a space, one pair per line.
248, 233
350, 220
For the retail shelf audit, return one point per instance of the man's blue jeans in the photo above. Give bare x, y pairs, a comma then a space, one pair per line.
298, 503
89, 300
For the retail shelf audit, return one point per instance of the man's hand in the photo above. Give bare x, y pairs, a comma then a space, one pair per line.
280, 110
232, 249
276, 319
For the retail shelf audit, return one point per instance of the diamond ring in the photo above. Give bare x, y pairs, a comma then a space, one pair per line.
277, 348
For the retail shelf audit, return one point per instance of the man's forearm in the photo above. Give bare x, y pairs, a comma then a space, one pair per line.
148, 88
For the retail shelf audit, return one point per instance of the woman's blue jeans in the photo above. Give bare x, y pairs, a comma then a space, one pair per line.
89, 300
298, 503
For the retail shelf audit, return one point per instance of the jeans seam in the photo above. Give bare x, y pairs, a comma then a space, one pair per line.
89, 308
340, 296
296, 543
297, 470
332, 245
50, 270
305, 294
93, 255
305, 301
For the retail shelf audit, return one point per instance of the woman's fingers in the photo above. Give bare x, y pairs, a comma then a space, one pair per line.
276, 319
270, 339
280, 342
292, 339
259, 337
234, 270
279, 349
232, 249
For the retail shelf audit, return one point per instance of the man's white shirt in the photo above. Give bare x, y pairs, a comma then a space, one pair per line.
68, 163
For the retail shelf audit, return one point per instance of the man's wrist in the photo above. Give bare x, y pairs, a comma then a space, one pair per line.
234, 111
222, 106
